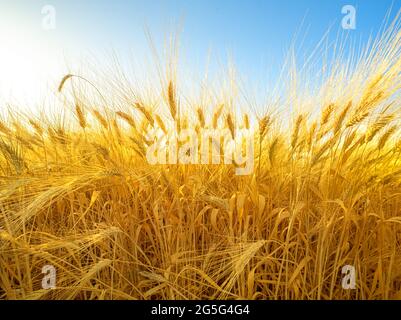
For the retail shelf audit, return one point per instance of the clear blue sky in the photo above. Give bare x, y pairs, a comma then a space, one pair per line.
256, 33
249, 29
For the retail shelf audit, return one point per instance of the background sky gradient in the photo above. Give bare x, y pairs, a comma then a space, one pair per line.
256, 34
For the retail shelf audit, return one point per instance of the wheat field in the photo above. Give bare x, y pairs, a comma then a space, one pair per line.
77, 193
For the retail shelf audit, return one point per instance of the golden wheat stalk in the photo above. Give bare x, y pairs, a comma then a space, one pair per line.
145, 112
295, 132
386, 136
327, 112
341, 117
172, 100
36, 125
81, 116
127, 118
246, 122
201, 117
160, 123
264, 124
230, 125
63, 81
102, 120
217, 115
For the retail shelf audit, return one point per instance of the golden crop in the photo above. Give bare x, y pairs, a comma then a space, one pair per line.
325, 192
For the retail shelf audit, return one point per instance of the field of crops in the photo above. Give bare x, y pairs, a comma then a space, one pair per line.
78, 194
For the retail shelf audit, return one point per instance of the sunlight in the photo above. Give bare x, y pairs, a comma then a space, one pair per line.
28, 63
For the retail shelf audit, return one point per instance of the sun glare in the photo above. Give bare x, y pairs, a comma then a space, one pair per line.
28, 61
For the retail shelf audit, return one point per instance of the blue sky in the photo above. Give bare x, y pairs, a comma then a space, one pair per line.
255, 33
